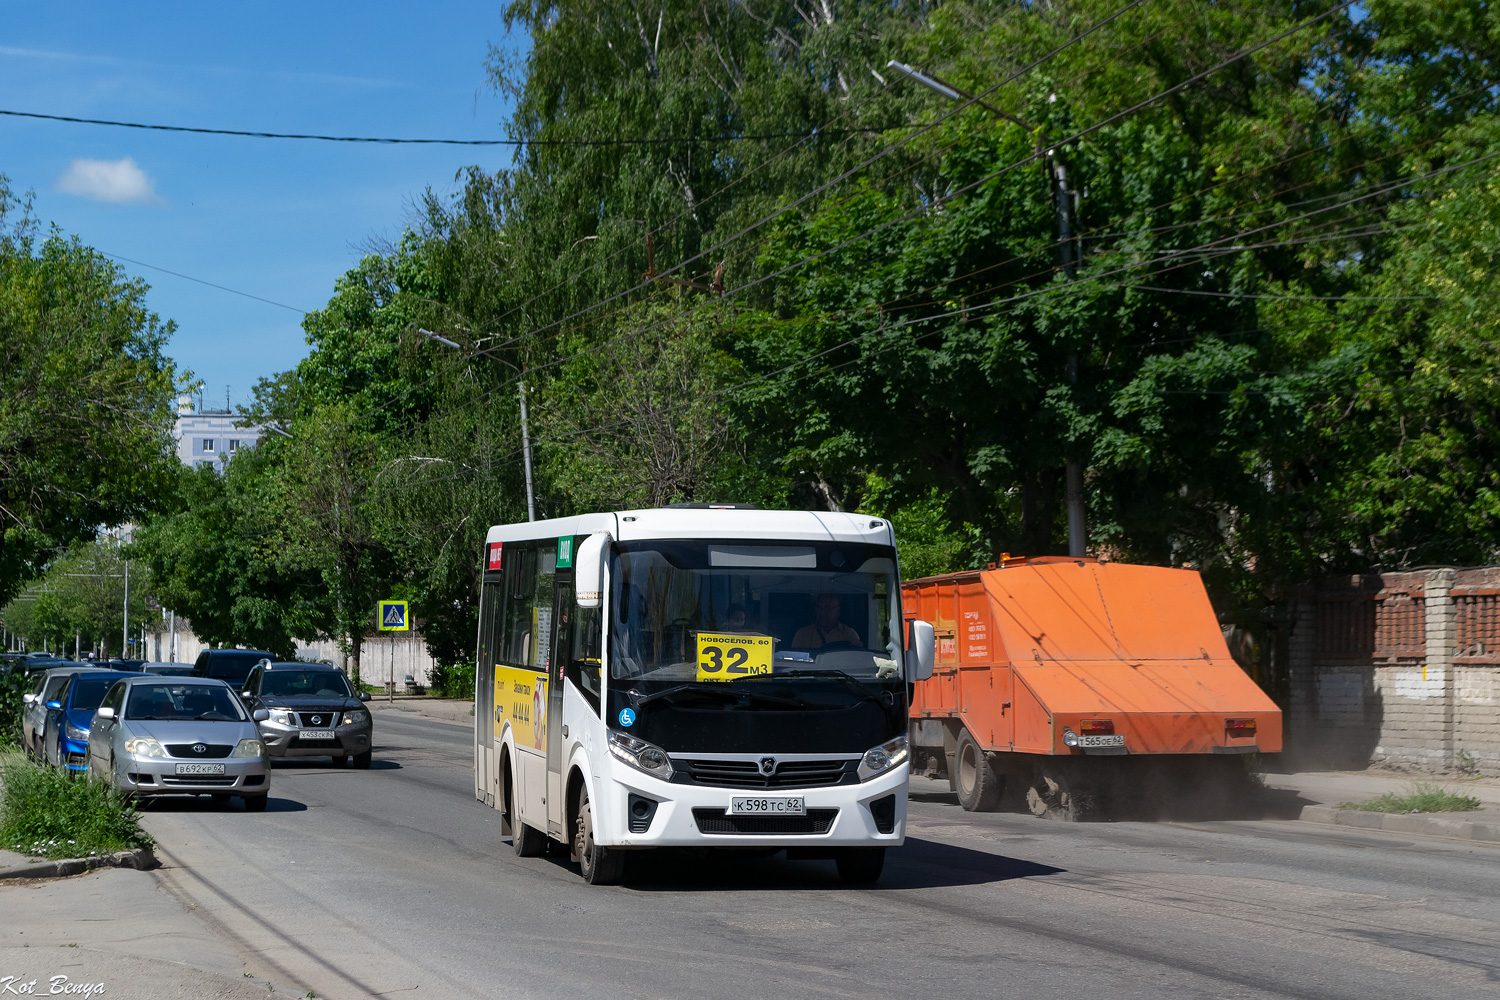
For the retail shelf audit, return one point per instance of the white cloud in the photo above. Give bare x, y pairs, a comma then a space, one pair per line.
119, 181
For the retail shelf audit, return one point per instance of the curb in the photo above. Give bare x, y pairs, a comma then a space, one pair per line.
451, 710
1422, 824
141, 859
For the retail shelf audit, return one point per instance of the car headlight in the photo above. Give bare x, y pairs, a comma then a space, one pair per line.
641, 755
356, 717
878, 760
74, 733
249, 748
282, 717
144, 746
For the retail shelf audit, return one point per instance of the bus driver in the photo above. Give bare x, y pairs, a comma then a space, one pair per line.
826, 628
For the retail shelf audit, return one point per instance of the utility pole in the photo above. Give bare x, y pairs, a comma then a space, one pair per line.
525, 424
125, 628
1067, 251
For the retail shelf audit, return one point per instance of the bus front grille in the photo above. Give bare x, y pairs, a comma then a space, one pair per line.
747, 773
717, 821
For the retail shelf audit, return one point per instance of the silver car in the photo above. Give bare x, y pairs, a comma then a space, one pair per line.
156, 735
34, 707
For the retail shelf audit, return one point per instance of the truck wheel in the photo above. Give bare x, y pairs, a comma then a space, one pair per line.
528, 841
860, 865
975, 781
598, 865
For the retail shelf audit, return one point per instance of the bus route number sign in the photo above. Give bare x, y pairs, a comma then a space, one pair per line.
724, 657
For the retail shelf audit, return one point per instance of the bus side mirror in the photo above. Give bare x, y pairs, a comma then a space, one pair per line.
919, 650
588, 569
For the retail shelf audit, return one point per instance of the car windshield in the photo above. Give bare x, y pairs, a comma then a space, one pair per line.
306, 684
88, 692
182, 701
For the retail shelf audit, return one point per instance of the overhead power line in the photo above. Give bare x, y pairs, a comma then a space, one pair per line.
663, 140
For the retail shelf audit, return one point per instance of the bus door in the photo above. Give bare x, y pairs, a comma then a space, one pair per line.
563, 611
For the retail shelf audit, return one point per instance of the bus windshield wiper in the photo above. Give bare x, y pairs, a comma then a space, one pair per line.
721, 688
843, 678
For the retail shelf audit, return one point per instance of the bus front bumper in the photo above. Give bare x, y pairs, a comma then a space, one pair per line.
869, 814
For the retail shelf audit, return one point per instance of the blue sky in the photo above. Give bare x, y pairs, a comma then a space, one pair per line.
280, 219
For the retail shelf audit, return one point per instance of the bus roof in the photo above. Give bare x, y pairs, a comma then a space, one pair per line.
715, 523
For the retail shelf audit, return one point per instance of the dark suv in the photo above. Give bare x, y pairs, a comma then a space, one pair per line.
231, 666
314, 712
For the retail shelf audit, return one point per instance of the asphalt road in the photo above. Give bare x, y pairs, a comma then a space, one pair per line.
395, 882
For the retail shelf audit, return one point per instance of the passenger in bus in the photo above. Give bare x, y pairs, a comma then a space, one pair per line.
734, 616
826, 629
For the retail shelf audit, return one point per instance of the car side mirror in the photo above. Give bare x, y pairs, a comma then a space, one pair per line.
920, 644
364, 696
246, 693
56, 706
28, 697
104, 713
588, 569
260, 715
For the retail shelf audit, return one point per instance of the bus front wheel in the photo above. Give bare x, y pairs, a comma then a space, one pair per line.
598, 865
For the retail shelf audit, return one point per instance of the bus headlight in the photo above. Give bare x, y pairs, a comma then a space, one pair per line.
878, 760
641, 755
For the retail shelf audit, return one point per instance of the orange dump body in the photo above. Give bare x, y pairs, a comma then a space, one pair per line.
1039, 647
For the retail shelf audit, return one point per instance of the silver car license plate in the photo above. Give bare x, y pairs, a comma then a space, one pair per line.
200, 768
759, 805
1101, 741
316, 734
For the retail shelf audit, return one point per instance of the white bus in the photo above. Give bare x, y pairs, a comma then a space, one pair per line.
696, 676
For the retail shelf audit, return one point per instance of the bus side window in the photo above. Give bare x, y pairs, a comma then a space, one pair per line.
583, 662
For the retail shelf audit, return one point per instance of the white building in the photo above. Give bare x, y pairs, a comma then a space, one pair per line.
210, 437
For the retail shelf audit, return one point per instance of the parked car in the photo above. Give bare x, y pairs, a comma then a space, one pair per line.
34, 708
311, 711
231, 666
34, 665
157, 735
133, 666
170, 669
65, 736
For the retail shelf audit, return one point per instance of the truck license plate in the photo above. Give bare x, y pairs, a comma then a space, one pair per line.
1101, 741
200, 768
316, 734
756, 805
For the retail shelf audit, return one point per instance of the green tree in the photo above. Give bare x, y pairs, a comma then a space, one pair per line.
85, 396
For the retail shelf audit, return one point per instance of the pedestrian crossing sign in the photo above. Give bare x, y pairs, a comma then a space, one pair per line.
393, 616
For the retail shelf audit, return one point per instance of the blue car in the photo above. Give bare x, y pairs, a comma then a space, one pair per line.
65, 739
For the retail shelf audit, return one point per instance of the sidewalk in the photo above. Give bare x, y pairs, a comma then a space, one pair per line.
458, 710
116, 927
1324, 791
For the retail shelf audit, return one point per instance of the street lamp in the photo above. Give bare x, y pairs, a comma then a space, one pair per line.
1077, 523
525, 424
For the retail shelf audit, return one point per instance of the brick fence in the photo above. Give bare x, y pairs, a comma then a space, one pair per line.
1398, 668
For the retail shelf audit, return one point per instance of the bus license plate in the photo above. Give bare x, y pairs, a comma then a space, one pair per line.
316, 734
1101, 741
755, 805
200, 768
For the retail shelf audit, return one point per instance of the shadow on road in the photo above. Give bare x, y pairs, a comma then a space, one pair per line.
919, 864
205, 804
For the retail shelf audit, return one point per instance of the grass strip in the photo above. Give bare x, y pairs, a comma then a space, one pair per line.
47, 812
1421, 797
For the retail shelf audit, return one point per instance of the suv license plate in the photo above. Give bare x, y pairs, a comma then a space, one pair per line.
754, 805
316, 734
200, 768
1101, 741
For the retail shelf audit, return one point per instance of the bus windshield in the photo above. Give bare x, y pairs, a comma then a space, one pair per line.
774, 628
